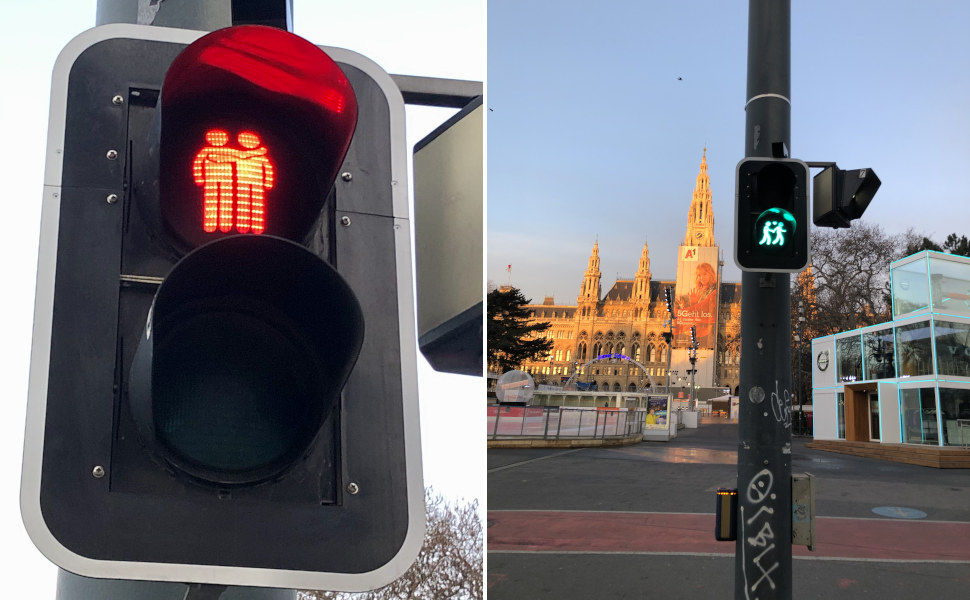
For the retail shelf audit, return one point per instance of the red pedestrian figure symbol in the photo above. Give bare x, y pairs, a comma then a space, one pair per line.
234, 182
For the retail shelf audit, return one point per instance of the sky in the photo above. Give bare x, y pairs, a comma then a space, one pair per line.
436, 38
598, 119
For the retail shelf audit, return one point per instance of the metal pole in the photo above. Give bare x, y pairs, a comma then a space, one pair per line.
802, 421
692, 356
763, 556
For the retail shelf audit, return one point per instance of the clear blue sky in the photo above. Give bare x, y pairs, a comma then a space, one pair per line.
440, 38
598, 116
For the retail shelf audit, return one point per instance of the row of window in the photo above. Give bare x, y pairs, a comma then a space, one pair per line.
905, 351
616, 371
934, 281
923, 420
651, 354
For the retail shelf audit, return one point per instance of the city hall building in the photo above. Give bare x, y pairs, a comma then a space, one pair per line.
616, 342
907, 381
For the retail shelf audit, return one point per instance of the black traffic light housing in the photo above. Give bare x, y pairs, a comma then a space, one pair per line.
839, 197
772, 230
240, 411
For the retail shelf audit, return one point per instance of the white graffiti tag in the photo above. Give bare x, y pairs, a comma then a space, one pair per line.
781, 406
759, 493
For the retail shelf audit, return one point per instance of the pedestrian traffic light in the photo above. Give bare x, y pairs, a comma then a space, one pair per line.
771, 229
839, 197
223, 374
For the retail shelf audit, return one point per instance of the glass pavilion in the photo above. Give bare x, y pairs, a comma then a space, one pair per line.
906, 381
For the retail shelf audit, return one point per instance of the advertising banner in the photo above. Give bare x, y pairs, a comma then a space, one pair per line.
658, 410
696, 300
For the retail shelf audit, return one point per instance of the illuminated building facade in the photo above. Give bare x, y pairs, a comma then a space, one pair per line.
630, 320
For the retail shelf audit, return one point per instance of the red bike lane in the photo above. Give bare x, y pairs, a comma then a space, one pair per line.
690, 533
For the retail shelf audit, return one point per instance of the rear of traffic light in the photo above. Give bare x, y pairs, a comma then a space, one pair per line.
201, 417
771, 215
839, 197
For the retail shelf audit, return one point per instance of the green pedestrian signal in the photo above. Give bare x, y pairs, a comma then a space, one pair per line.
771, 218
776, 226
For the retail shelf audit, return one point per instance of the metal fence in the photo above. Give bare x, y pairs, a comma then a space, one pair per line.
554, 422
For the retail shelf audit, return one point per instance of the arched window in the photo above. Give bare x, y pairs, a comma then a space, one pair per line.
616, 387
651, 353
662, 354
581, 351
636, 351
632, 387
619, 348
597, 347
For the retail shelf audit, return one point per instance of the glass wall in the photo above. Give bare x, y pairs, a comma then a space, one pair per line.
950, 286
917, 407
914, 352
848, 352
910, 291
952, 348
840, 409
878, 354
955, 405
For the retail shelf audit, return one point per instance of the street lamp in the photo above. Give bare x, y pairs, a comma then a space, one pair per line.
692, 355
798, 373
669, 334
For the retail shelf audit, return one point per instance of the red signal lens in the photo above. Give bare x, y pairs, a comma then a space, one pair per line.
255, 123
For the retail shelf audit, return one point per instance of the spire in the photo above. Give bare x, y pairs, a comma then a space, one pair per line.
641, 283
590, 290
700, 217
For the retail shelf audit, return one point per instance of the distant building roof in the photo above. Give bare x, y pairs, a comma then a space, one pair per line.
621, 290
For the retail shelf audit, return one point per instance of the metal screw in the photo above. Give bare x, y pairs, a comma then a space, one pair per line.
346, 176
112, 198
98, 472
117, 100
112, 154
345, 221
353, 488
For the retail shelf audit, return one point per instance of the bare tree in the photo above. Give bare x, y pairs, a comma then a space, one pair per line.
450, 564
850, 273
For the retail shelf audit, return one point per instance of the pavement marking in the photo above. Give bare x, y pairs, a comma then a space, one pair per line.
731, 555
665, 512
592, 532
532, 460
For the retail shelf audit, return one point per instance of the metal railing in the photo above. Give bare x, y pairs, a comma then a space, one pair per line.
554, 422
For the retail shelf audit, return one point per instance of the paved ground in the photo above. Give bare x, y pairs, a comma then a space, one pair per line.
637, 522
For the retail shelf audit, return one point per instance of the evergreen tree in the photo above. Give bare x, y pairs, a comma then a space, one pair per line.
511, 338
953, 244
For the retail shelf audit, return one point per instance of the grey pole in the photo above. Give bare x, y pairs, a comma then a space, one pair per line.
200, 15
763, 555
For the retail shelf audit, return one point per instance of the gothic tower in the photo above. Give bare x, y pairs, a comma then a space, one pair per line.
641, 283
589, 294
700, 217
